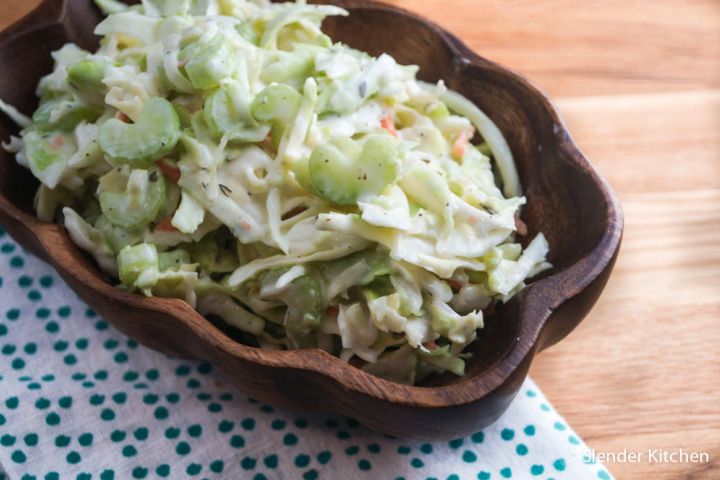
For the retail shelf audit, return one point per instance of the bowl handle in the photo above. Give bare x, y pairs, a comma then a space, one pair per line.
556, 305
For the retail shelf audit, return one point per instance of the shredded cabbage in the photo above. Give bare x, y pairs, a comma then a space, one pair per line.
228, 153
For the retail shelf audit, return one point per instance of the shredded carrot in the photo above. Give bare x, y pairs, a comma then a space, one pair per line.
122, 117
431, 345
57, 141
388, 123
462, 142
245, 226
166, 225
332, 311
520, 226
170, 171
268, 147
455, 285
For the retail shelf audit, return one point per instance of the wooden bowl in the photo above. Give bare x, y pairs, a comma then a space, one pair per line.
567, 200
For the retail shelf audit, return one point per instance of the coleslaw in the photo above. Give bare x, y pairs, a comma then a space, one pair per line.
230, 154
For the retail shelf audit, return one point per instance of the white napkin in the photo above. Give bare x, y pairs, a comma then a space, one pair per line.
78, 400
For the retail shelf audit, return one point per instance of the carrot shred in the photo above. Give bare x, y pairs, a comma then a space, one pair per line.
332, 311
170, 171
461, 143
57, 141
455, 285
122, 117
165, 225
431, 345
387, 123
520, 226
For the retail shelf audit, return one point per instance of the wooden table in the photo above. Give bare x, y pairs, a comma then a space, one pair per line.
639, 85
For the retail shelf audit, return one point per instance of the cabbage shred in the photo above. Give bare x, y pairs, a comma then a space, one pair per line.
228, 153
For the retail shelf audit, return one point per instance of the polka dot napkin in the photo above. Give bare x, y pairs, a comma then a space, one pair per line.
78, 400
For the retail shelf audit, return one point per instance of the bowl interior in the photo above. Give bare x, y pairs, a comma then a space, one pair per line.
570, 213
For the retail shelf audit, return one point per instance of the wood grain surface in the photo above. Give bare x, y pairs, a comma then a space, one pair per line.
639, 85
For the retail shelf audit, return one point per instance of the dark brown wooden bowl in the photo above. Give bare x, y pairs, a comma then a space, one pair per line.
567, 200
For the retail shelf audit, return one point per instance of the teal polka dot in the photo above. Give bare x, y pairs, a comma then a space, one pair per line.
507, 434
8, 349
311, 475
302, 423
455, 444
453, 476
248, 463
225, 426
559, 464
42, 312
559, 426
259, 476
248, 424
18, 456
290, 439
375, 448
100, 375
544, 407
18, 363
83, 476
107, 414
172, 432
86, 439
214, 407
119, 397
603, 475
107, 475
7, 247
271, 461
120, 357
574, 440
161, 413
237, 441
70, 359
163, 470
56, 476
537, 470
141, 434
182, 370
477, 437
31, 439
34, 295
150, 399
324, 457
278, 424
469, 456
82, 343
62, 441
12, 403
364, 465
193, 469
97, 399
343, 435
46, 281
172, 397
30, 348
2, 419
25, 281
52, 327
3, 330
483, 476
521, 449
403, 450
195, 430
352, 450
506, 472
139, 472
13, 314
417, 463
302, 460
7, 440
101, 325
182, 448
129, 451
52, 419
217, 466
73, 458
17, 262
117, 436
64, 311
529, 430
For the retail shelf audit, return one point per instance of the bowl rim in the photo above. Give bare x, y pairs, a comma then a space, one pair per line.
551, 291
